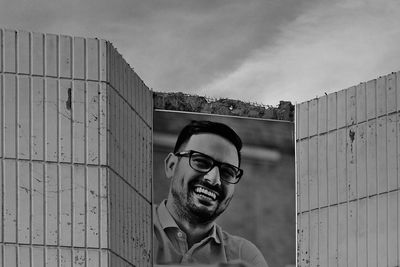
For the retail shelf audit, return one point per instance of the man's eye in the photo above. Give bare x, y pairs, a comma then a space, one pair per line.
201, 162
227, 171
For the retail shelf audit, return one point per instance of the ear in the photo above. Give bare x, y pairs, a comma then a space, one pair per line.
170, 163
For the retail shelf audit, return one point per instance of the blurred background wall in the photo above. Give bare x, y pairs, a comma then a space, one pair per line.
263, 208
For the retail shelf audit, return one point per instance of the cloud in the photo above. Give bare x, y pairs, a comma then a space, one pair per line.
177, 45
330, 47
186, 45
262, 51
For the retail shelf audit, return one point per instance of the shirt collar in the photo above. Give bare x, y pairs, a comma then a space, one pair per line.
165, 217
167, 221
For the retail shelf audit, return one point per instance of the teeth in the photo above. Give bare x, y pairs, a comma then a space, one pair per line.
204, 191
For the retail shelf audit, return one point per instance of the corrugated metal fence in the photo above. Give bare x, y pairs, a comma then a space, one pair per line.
348, 147
75, 154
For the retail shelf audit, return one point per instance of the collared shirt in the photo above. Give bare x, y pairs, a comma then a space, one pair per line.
170, 244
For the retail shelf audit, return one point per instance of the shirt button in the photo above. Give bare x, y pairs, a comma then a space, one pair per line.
180, 234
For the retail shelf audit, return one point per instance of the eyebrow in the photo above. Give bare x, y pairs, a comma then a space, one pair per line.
223, 162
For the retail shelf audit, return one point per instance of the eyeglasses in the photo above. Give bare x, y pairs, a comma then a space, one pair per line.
203, 163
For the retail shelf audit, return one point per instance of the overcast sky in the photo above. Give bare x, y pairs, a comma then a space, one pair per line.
261, 51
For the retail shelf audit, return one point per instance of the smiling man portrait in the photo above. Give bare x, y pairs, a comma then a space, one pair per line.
203, 169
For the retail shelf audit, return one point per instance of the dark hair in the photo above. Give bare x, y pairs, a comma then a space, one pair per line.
197, 127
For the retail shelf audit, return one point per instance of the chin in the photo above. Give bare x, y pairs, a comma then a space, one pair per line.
203, 214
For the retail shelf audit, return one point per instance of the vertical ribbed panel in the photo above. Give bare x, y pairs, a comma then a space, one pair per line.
347, 169
75, 154
130, 106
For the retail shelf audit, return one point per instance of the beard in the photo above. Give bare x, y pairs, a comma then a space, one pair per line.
205, 213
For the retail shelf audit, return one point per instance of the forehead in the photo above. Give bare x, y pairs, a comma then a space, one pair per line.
215, 146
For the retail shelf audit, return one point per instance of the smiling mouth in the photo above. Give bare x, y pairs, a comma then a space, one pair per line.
205, 192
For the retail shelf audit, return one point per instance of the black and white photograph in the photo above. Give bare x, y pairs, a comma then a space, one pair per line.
261, 206
199, 133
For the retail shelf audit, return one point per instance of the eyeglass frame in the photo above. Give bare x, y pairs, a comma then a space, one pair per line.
217, 163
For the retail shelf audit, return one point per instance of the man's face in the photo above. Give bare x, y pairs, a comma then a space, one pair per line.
202, 197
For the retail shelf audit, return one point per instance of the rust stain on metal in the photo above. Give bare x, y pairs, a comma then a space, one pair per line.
69, 101
352, 134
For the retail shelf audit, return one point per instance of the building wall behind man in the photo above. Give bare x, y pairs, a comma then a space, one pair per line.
263, 207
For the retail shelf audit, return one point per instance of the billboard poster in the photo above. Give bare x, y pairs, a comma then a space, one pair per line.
262, 209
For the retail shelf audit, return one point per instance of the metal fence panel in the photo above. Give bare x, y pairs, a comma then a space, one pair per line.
75, 154
353, 157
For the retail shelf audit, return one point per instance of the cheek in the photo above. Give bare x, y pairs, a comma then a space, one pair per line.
228, 200
182, 182
184, 179
179, 175
229, 195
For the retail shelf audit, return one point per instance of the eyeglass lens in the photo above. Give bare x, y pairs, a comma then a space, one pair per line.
203, 163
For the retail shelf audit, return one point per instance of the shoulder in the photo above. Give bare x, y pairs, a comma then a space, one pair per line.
239, 248
156, 218
155, 206
155, 213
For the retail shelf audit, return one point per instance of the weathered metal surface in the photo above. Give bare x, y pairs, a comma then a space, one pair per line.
75, 154
347, 176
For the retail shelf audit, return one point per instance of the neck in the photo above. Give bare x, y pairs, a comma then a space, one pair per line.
194, 230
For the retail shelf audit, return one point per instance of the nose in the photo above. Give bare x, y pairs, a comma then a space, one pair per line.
213, 176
